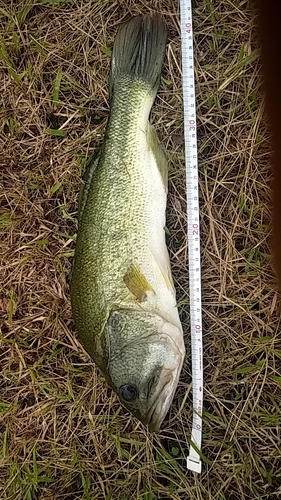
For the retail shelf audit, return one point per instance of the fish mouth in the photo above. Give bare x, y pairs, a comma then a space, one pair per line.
162, 402
166, 388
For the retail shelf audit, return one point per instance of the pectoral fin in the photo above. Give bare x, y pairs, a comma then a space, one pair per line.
137, 283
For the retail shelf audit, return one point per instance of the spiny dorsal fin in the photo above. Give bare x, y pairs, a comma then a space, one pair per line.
90, 167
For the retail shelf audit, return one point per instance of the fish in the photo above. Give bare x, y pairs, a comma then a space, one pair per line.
122, 292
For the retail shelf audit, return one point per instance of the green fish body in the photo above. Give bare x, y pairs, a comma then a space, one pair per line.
122, 292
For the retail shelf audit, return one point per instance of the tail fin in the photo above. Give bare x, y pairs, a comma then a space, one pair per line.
138, 50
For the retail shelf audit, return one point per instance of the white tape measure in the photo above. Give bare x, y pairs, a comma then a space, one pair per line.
193, 231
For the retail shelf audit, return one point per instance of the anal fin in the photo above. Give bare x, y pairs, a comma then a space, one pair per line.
158, 152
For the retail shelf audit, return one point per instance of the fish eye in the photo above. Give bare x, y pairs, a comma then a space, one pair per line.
128, 392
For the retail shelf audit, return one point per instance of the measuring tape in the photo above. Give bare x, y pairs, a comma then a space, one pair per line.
193, 231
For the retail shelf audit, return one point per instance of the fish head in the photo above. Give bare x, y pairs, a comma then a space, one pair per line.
145, 354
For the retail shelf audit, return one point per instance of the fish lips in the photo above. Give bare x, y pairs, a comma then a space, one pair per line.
161, 405
165, 391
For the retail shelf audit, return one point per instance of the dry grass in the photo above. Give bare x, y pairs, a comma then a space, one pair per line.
63, 434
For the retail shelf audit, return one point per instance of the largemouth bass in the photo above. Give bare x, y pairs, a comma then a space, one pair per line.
122, 292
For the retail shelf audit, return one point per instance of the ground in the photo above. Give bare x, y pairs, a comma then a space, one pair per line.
63, 433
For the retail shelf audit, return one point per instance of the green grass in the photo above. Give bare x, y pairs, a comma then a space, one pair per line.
63, 433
